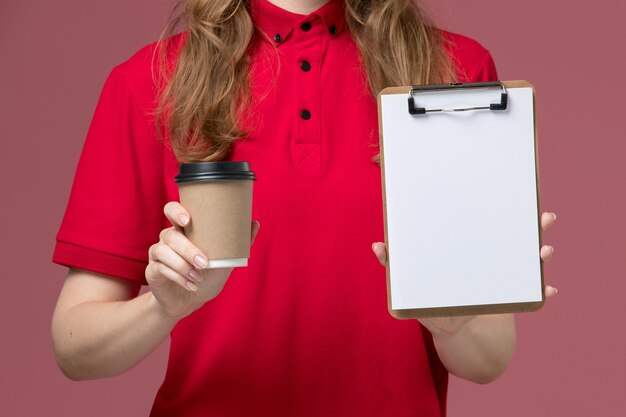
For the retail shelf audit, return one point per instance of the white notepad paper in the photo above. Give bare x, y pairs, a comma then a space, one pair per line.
461, 200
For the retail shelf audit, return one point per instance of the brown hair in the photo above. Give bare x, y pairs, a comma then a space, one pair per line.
203, 95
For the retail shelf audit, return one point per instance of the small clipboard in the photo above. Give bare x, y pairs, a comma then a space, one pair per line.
460, 185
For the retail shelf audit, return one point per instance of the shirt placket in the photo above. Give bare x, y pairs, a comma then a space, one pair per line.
310, 44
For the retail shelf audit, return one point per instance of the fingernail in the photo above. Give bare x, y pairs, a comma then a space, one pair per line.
190, 285
183, 218
373, 245
201, 261
555, 291
554, 215
194, 274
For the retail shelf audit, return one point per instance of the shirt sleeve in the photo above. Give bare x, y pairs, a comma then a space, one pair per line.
115, 209
486, 71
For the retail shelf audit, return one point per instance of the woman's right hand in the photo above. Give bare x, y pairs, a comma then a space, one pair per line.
175, 271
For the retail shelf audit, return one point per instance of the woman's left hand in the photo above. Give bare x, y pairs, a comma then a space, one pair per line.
451, 325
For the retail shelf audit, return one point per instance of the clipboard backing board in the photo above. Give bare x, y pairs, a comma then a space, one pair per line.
439, 186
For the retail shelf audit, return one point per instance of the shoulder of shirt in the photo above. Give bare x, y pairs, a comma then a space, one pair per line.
468, 54
140, 68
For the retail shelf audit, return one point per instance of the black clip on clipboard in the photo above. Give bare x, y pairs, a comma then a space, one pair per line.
414, 109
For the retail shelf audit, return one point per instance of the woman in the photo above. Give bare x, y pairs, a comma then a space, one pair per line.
304, 330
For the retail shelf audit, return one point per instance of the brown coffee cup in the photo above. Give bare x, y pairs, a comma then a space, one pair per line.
218, 196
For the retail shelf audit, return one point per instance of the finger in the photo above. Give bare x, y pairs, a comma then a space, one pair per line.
380, 251
166, 255
176, 240
171, 275
254, 230
547, 220
546, 252
550, 291
176, 214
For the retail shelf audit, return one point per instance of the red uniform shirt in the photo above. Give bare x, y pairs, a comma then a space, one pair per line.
304, 329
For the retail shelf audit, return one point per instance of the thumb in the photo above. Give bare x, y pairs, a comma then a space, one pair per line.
380, 250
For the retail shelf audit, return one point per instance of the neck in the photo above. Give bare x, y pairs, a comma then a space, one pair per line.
299, 6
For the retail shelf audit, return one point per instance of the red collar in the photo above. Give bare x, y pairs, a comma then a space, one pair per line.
273, 20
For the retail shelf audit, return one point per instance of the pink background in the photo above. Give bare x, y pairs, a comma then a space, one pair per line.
570, 356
